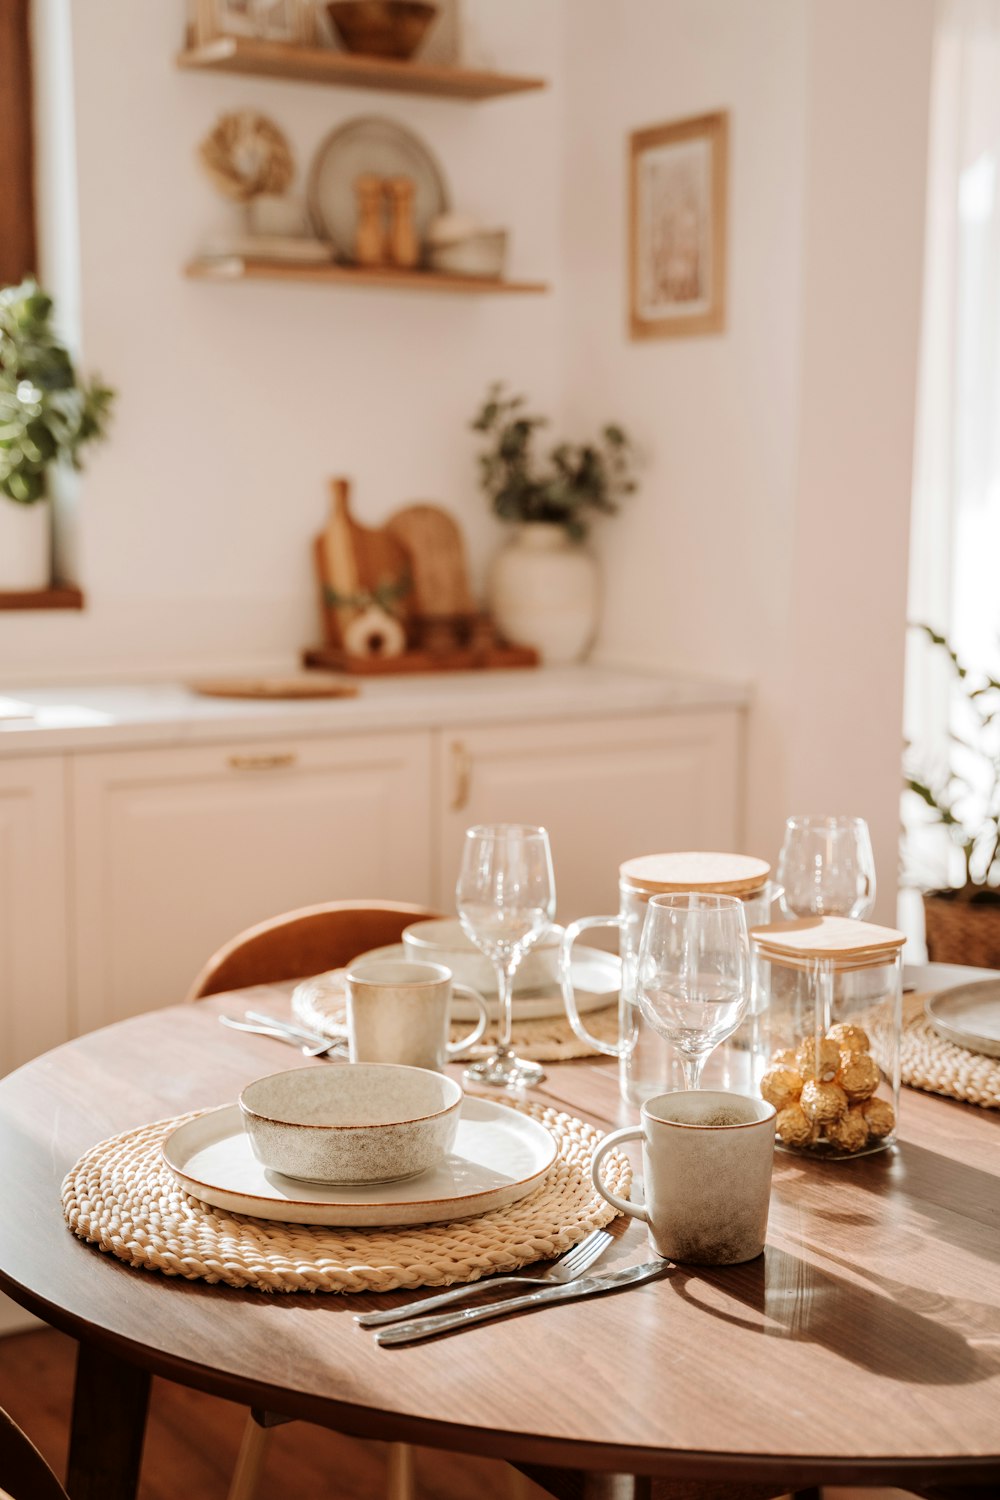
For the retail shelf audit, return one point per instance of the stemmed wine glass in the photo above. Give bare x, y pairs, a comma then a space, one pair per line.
693, 973
506, 899
827, 868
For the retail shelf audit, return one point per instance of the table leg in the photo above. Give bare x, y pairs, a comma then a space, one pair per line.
110, 1399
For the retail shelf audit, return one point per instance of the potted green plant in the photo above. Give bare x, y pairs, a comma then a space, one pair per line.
47, 414
544, 586
962, 922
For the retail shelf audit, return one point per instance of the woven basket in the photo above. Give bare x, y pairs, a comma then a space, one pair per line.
962, 930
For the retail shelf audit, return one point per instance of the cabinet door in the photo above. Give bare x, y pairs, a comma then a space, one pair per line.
605, 790
34, 1005
178, 850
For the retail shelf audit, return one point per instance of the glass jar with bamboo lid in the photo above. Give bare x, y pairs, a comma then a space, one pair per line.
831, 993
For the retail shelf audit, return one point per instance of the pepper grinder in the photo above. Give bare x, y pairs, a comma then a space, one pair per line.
403, 246
369, 242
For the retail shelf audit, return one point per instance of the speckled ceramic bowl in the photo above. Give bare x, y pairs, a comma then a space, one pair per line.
367, 1122
441, 940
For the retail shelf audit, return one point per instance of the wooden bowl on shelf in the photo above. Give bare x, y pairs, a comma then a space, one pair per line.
381, 28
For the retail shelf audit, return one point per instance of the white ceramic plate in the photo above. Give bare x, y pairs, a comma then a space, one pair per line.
596, 979
500, 1156
969, 1014
370, 144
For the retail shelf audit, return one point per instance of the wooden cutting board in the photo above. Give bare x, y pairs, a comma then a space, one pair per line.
354, 560
304, 685
433, 540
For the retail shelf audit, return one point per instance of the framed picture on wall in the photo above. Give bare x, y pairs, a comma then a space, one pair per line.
677, 227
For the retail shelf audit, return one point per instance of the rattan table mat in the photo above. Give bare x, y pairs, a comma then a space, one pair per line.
319, 1003
929, 1062
122, 1197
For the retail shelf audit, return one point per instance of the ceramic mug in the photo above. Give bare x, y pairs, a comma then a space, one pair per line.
706, 1158
397, 1012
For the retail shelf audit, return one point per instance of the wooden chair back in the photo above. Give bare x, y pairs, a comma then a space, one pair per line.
24, 1474
308, 941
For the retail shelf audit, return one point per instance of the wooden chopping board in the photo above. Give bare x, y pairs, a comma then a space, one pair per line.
433, 540
303, 685
353, 560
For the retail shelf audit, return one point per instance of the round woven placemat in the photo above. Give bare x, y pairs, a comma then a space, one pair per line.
929, 1062
122, 1197
319, 1004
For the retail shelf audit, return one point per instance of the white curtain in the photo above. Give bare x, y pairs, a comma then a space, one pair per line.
955, 546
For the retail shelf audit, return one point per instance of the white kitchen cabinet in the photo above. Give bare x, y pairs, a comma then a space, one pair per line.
177, 850
34, 1004
606, 789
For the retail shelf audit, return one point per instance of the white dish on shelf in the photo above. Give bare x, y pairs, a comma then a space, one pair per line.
499, 1156
596, 981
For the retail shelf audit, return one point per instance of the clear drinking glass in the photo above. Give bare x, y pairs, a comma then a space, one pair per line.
506, 899
827, 868
693, 973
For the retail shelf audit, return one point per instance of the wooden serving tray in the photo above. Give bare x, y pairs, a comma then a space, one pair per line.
330, 659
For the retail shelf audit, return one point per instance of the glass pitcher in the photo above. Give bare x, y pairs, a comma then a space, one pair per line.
647, 1064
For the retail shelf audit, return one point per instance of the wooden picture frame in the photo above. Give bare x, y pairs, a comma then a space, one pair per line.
678, 194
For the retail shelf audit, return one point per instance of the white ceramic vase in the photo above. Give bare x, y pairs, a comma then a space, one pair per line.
544, 592
24, 546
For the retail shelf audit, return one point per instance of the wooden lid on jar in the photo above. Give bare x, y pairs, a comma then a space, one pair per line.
845, 943
720, 874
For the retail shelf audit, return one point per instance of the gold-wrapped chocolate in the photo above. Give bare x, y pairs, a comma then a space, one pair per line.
787, 1057
858, 1075
794, 1127
880, 1117
849, 1038
849, 1133
818, 1060
823, 1102
781, 1086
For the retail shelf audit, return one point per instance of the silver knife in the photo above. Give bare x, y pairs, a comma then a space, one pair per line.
587, 1286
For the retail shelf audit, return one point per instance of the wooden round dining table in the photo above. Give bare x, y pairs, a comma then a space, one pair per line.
863, 1347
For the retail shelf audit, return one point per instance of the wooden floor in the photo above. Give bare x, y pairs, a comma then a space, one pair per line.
192, 1439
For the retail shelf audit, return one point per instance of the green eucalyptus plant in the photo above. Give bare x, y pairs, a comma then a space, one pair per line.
964, 796
573, 479
47, 414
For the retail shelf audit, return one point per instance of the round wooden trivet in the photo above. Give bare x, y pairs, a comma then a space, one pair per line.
122, 1197
319, 1004
938, 1066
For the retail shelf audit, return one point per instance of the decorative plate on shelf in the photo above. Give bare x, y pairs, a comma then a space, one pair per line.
370, 145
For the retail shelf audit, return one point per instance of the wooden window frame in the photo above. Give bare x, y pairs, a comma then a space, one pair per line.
18, 243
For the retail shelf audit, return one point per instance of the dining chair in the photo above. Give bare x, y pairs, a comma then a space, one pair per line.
24, 1474
295, 945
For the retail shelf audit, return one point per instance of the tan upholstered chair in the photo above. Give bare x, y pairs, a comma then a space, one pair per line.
293, 946
24, 1474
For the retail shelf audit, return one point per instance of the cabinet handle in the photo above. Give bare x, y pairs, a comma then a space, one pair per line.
461, 766
262, 762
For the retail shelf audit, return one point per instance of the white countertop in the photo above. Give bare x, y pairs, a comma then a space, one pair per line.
120, 715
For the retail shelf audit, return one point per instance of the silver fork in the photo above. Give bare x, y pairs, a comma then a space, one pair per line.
567, 1268
310, 1047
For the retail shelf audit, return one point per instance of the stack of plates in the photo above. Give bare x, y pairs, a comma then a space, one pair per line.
500, 1155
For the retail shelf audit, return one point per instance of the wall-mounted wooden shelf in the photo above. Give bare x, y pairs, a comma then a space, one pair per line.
239, 268
232, 54
59, 596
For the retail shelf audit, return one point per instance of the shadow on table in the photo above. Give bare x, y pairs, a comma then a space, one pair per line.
884, 1332
920, 1194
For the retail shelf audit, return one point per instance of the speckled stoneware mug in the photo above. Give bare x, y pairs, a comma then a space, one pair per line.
706, 1158
397, 1012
